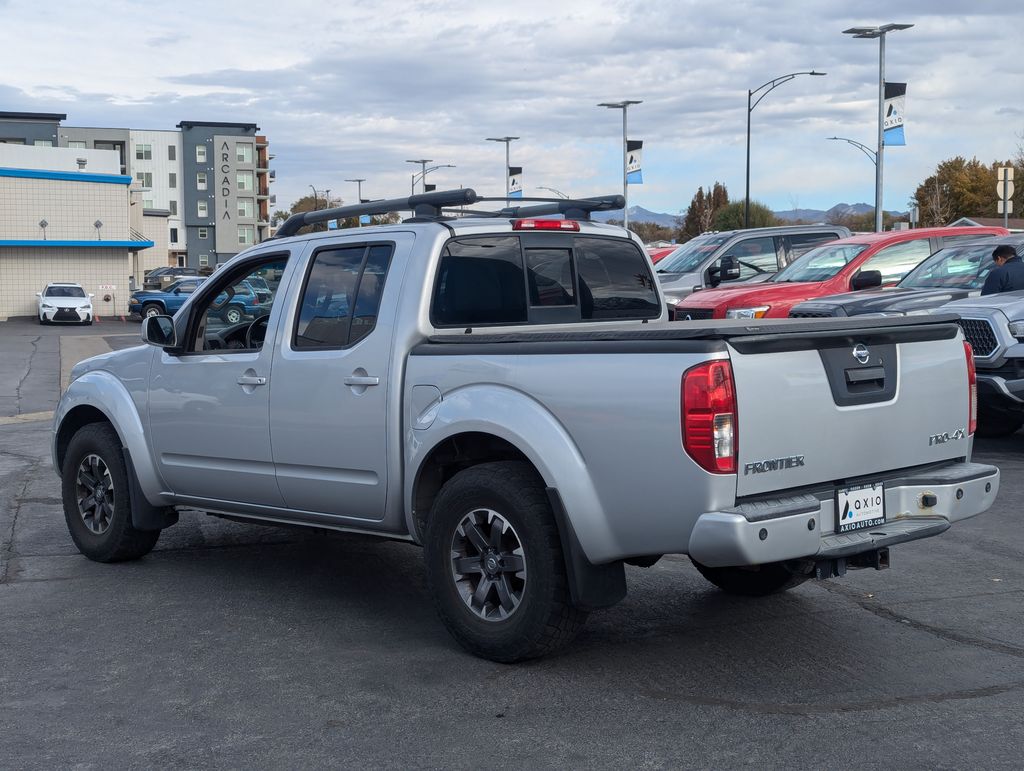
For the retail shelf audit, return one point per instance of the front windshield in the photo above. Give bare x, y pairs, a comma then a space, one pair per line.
65, 291
689, 257
819, 264
955, 267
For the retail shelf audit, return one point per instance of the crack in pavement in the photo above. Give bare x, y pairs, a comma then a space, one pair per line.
7, 552
28, 370
809, 709
950, 635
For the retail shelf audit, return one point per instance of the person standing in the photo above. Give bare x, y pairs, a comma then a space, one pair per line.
1008, 275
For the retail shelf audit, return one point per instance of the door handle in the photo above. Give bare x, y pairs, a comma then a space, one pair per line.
252, 380
361, 380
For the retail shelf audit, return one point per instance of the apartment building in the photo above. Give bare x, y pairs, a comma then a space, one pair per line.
209, 180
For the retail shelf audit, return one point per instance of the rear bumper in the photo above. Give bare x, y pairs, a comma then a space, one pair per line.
801, 527
998, 390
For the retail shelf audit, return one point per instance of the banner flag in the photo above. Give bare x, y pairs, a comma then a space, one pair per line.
895, 102
634, 155
515, 181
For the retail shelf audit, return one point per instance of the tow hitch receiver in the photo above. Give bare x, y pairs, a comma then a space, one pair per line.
877, 559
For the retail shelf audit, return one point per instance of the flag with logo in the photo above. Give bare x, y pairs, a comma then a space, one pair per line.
515, 181
895, 101
634, 154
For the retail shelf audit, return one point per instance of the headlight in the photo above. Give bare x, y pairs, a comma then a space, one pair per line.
47, 307
747, 313
86, 307
1017, 329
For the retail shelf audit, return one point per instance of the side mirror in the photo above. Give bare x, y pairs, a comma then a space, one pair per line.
178, 290
159, 331
91, 296
39, 294
730, 268
866, 279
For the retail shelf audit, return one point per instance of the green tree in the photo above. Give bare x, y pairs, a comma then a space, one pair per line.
962, 188
704, 207
730, 217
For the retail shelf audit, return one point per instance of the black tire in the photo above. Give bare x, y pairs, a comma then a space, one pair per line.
992, 424
152, 309
543, 618
42, 320
754, 581
104, 532
87, 322
232, 314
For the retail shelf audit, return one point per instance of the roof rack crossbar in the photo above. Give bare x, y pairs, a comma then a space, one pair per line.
422, 205
570, 208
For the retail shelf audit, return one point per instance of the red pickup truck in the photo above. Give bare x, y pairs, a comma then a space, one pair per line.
859, 262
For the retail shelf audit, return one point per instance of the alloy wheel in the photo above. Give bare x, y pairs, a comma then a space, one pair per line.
488, 564
94, 492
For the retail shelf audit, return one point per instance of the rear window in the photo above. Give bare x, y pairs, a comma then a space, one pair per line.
541, 279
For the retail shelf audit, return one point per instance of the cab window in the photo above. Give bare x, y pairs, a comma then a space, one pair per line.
341, 296
755, 256
896, 261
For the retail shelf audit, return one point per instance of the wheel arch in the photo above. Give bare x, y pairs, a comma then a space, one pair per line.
98, 396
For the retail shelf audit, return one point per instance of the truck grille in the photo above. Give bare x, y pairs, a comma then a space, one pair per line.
980, 335
695, 314
810, 314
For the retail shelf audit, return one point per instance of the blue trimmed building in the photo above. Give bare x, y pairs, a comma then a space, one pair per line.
68, 214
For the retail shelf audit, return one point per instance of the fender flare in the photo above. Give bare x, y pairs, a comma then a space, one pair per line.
103, 392
527, 425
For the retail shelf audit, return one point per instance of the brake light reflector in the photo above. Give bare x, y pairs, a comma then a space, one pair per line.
545, 225
709, 425
972, 390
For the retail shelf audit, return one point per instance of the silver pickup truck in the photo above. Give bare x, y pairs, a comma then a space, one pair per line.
505, 391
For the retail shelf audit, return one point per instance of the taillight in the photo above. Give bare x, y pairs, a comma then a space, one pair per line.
545, 225
710, 431
972, 390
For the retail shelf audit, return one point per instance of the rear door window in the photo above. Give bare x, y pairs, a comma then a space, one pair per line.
896, 261
341, 296
480, 282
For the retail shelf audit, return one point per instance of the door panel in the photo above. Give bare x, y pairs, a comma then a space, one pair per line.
328, 407
209, 407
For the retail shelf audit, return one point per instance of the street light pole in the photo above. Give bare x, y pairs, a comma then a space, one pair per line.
860, 146
871, 33
771, 85
507, 141
423, 163
553, 190
316, 201
624, 106
423, 174
359, 194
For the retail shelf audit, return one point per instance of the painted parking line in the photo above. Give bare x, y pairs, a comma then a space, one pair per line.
27, 417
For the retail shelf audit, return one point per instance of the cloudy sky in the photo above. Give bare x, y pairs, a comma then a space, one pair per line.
353, 89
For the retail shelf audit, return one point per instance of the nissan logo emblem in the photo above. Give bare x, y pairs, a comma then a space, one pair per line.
861, 353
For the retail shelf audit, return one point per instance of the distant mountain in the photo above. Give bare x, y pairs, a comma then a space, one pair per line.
638, 214
839, 210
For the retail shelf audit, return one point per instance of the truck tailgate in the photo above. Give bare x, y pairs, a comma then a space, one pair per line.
832, 405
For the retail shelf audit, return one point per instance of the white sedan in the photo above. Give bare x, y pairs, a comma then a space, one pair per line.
64, 302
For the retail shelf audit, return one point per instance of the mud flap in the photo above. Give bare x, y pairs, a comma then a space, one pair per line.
145, 516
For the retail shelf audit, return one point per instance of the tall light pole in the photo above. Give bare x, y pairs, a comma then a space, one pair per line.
624, 106
316, 201
507, 141
359, 194
423, 174
553, 190
767, 88
871, 33
422, 162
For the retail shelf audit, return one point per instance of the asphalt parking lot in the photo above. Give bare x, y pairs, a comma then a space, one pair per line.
239, 645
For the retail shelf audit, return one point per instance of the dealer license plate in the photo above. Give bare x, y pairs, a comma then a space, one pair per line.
860, 507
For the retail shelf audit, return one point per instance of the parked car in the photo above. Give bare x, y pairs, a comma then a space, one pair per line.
758, 253
64, 303
994, 326
156, 302
952, 273
160, 277
658, 253
421, 382
865, 261
260, 286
